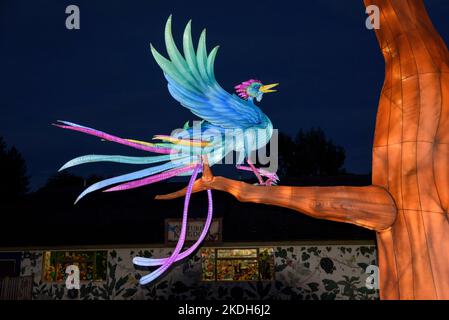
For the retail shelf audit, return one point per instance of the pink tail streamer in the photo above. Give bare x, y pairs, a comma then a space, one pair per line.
169, 261
149, 262
149, 180
109, 137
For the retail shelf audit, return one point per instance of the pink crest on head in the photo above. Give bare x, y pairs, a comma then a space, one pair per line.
241, 88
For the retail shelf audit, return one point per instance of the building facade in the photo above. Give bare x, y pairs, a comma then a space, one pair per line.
256, 271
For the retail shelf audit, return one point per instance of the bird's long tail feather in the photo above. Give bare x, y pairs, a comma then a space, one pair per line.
152, 179
151, 262
106, 136
175, 256
176, 163
120, 159
134, 176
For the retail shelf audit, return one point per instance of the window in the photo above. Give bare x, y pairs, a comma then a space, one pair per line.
7, 268
10, 264
92, 265
237, 264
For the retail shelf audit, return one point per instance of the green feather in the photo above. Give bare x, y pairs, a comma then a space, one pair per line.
189, 51
201, 56
175, 56
170, 69
210, 63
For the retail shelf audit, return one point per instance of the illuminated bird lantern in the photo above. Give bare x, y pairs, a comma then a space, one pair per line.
191, 81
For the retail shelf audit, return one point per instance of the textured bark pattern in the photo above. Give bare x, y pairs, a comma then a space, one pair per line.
411, 153
407, 204
370, 207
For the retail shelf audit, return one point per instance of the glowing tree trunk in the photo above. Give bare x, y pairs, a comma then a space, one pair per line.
407, 203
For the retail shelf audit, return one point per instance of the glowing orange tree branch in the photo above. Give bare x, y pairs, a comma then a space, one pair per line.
370, 207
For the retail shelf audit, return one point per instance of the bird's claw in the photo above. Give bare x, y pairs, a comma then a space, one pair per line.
272, 178
267, 183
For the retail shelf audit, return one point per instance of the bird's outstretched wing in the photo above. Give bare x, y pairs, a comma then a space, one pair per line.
191, 81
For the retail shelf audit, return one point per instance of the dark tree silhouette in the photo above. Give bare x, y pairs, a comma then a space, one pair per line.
13, 172
310, 154
65, 179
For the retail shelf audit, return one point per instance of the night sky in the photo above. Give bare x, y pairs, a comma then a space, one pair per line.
328, 65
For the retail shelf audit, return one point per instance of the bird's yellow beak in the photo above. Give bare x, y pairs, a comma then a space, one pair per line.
267, 88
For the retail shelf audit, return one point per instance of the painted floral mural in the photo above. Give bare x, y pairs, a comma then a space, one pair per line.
332, 272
